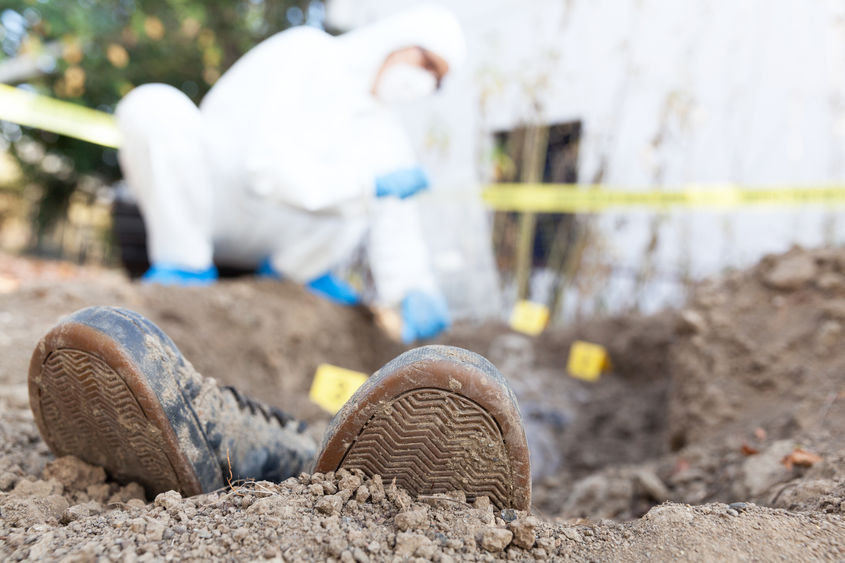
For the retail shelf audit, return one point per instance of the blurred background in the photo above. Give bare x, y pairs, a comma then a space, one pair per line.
637, 95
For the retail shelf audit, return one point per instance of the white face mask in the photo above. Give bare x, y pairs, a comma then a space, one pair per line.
404, 83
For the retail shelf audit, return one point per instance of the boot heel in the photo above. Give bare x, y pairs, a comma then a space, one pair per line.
436, 419
97, 392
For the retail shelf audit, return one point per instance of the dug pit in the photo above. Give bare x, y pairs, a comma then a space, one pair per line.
739, 399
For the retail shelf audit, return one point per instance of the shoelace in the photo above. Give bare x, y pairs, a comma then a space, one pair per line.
266, 411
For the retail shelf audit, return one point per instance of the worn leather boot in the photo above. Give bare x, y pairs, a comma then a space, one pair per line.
109, 387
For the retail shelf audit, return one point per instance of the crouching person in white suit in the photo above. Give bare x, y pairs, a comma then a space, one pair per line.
294, 159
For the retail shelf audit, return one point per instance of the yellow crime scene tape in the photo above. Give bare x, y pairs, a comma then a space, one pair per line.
333, 386
65, 118
579, 198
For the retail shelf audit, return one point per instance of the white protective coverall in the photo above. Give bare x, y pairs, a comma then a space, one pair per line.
281, 157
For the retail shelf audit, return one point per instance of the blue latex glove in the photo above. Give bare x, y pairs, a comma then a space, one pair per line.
167, 274
423, 316
327, 286
402, 183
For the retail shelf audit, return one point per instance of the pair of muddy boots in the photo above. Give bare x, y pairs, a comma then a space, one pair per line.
109, 387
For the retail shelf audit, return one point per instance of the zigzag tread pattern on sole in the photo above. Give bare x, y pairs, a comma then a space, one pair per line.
90, 412
434, 441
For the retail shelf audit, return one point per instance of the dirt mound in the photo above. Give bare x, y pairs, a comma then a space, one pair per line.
770, 336
737, 401
346, 517
747, 400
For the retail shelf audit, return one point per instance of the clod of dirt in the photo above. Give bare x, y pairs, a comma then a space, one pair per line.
99, 493
762, 471
409, 544
74, 474
132, 493
411, 519
33, 502
362, 494
523, 532
347, 481
483, 503
792, 271
168, 500
80, 511
330, 504
652, 485
38, 489
496, 539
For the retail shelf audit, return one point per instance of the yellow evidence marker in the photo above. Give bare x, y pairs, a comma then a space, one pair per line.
587, 360
529, 317
333, 386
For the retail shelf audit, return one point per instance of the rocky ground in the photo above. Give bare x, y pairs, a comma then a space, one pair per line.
718, 434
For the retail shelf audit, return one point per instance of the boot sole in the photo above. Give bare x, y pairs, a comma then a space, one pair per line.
436, 419
96, 392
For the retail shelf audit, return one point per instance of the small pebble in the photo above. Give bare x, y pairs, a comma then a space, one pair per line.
508, 515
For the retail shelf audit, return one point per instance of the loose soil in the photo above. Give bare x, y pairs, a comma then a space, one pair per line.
717, 434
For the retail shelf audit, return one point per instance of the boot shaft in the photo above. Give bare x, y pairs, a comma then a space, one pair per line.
109, 387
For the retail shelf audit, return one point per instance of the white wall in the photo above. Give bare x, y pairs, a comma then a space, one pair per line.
669, 92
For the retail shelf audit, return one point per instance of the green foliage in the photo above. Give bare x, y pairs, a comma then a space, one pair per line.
95, 51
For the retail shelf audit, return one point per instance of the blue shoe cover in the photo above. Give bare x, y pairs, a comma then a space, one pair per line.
334, 289
266, 270
165, 274
327, 286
